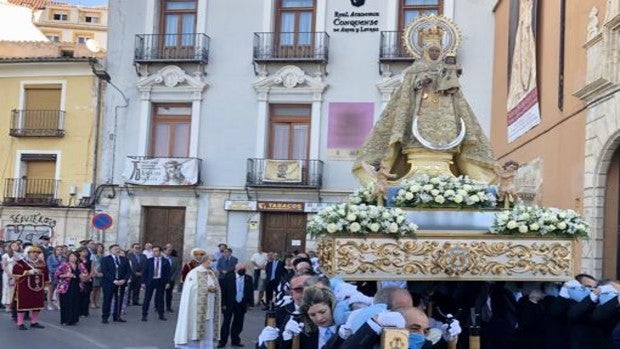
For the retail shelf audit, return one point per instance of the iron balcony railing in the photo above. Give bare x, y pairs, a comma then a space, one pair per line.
187, 47
37, 123
284, 173
22, 191
291, 46
393, 47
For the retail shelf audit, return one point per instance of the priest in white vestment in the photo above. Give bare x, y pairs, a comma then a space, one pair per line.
200, 309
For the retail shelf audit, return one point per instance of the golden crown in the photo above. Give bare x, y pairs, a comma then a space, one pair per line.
432, 34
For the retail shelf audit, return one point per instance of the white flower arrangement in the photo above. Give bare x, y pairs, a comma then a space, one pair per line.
360, 219
447, 192
540, 220
364, 195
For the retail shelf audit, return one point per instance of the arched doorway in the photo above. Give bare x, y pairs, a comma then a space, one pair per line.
611, 228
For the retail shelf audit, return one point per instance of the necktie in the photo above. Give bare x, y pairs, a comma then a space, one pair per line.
328, 334
273, 270
157, 276
116, 266
239, 296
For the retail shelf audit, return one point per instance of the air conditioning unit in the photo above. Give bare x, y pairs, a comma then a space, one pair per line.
87, 189
72, 190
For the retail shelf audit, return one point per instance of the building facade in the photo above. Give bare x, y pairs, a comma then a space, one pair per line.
238, 128
49, 108
62, 22
575, 50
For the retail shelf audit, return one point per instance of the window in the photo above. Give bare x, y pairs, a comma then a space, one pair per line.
410, 9
37, 176
289, 127
178, 17
53, 37
81, 38
58, 16
171, 130
91, 19
42, 97
295, 22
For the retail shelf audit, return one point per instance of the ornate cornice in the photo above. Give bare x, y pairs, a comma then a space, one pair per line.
171, 79
289, 79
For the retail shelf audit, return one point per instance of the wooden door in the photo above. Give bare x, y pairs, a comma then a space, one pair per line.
283, 232
611, 235
165, 225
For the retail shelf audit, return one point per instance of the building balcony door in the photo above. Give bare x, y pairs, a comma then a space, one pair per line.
165, 225
295, 25
283, 232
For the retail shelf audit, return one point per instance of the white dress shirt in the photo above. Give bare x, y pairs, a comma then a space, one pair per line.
323, 335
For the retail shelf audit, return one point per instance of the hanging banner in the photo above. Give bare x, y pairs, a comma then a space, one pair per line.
161, 171
285, 171
522, 103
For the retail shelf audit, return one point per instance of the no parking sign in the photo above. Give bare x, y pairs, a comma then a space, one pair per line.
102, 221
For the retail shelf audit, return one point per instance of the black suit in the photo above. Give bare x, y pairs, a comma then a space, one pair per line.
113, 272
273, 278
311, 341
234, 311
155, 283
138, 260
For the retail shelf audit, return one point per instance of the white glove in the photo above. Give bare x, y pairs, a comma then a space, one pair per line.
607, 289
292, 328
360, 298
451, 332
344, 290
391, 319
593, 297
268, 334
564, 292
433, 335
344, 332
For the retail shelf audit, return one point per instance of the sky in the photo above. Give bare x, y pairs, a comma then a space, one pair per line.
85, 2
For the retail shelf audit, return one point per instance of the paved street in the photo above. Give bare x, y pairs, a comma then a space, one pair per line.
91, 333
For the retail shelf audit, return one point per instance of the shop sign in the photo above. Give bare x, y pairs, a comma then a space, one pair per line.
281, 206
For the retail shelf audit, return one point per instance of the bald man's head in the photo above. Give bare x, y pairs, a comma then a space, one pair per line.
415, 320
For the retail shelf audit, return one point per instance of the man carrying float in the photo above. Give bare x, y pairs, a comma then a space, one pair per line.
31, 278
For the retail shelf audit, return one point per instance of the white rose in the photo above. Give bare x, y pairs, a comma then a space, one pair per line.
474, 198
467, 187
374, 227
414, 188
401, 192
523, 229
449, 192
458, 198
393, 228
428, 187
435, 192
561, 225
355, 227
440, 199
412, 226
398, 211
512, 224
331, 228
341, 212
400, 219
435, 180
356, 200
408, 196
462, 192
351, 217
534, 227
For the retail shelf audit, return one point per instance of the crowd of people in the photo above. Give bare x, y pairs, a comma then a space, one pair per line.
302, 305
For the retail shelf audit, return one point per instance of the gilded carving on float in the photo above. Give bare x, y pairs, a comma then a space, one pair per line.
470, 258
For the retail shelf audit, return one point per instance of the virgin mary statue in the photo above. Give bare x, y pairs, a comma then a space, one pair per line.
428, 128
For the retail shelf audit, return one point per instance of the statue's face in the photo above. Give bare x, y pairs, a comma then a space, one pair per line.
434, 52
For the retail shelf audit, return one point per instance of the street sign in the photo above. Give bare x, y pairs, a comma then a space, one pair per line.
102, 221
